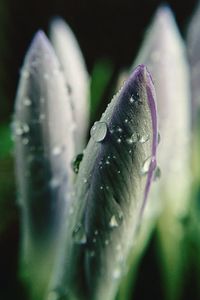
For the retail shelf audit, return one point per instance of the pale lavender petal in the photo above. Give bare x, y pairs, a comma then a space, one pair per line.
44, 149
76, 77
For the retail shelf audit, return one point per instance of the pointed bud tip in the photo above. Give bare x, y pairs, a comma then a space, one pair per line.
164, 10
57, 21
40, 40
164, 15
39, 47
142, 74
40, 51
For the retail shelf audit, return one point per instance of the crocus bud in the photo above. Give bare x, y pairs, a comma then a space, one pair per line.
163, 51
44, 150
111, 192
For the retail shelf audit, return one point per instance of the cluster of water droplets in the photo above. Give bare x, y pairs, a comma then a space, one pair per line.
135, 99
20, 130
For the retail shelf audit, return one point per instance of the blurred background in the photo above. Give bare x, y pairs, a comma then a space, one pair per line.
109, 33
111, 30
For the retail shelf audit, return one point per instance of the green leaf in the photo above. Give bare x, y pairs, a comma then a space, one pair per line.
100, 77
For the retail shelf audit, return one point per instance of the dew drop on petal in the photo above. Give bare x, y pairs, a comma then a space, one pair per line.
79, 234
146, 165
144, 138
25, 141
157, 174
25, 74
116, 273
57, 150
106, 242
159, 137
55, 182
99, 131
113, 222
129, 141
27, 101
26, 128
92, 253
116, 219
135, 137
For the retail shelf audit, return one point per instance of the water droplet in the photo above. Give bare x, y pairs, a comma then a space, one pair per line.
20, 129
159, 137
55, 182
118, 172
85, 180
101, 187
131, 99
135, 137
57, 150
96, 232
157, 173
99, 131
25, 141
113, 222
146, 165
126, 121
79, 234
92, 253
119, 140
17, 128
116, 273
26, 128
27, 101
25, 74
129, 141
119, 129
76, 162
144, 138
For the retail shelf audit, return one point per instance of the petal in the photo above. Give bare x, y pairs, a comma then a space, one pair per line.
76, 77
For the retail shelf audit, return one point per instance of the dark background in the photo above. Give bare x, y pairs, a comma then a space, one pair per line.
110, 29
